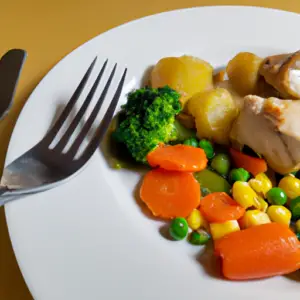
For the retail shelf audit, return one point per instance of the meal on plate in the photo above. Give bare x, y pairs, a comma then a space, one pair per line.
224, 153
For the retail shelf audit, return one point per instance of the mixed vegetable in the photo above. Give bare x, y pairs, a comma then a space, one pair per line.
187, 128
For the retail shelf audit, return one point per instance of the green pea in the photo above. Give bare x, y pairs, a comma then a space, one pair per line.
277, 196
179, 228
238, 175
199, 238
191, 142
221, 163
208, 148
295, 208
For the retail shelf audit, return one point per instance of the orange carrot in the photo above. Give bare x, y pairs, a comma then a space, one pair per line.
254, 165
219, 207
170, 194
178, 158
260, 251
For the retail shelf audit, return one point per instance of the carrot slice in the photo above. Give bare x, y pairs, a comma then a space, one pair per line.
254, 165
178, 158
170, 194
219, 207
260, 251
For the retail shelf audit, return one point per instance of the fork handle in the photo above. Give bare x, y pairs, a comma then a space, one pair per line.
7, 195
4, 195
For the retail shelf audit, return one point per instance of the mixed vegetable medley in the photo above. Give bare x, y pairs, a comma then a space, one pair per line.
224, 157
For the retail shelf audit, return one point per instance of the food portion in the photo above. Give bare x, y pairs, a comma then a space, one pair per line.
220, 207
214, 111
178, 158
270, 127
211, 182
224, 157
163, 192
243, 72
260, 251
187, 75
254, 165
186, 120
283, 73
148, 119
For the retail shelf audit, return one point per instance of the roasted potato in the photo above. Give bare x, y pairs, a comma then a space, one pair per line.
243, 72
237, 98
186, 120
186, 74
214, 113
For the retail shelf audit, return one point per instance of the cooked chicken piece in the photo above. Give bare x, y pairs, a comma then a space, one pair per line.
283, 73
270, 127
266, 90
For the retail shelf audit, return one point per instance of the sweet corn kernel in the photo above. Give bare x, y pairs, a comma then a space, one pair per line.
291, 185
243, 194
254, 217
298, 226
196, 220
219, 230
261, 204
279, 214
261, 184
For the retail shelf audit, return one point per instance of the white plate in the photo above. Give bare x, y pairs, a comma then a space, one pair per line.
88, 239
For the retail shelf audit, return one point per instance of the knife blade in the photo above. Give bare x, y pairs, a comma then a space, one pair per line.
11, 65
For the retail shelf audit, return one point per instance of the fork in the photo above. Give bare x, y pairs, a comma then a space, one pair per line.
42, 168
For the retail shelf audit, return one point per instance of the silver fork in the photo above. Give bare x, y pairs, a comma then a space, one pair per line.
42, 167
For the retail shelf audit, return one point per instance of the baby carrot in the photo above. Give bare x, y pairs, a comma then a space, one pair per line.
254, 165
170, 194
219, 207
178, 158
260, 251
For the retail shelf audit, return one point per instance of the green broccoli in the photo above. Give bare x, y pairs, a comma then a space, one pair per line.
148, 119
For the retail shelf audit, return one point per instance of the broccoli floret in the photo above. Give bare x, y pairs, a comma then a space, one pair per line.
148, 119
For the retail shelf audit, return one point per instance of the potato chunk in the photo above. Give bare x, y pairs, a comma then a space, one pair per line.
243, 72
186, 74
214, 112
186, 120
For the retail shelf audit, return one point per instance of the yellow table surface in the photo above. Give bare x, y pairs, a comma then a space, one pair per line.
49, 30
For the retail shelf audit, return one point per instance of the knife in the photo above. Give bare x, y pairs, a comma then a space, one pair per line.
11, 65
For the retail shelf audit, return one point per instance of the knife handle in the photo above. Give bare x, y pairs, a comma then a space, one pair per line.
11, 65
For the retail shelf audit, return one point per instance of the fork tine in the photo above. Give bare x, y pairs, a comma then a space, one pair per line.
64, 140
95, 142
87, 126
58, 124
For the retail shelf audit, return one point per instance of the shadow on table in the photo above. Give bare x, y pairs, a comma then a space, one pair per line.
12, 285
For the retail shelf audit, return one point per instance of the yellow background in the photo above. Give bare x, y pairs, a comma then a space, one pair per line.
49, 30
